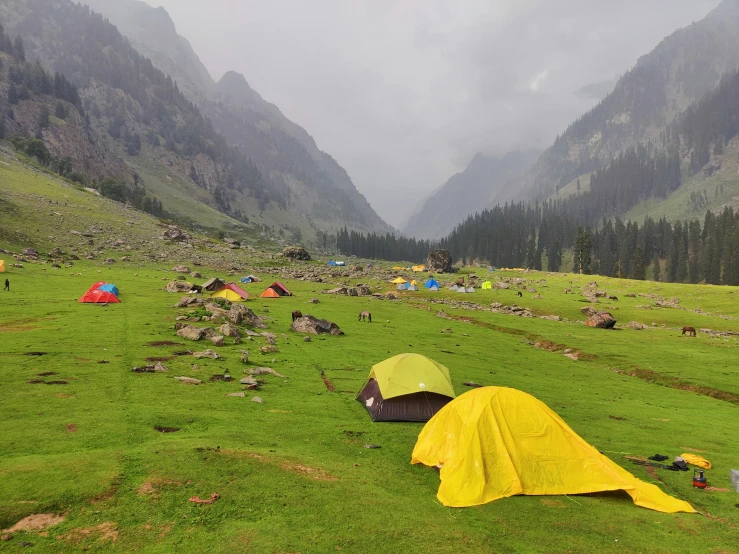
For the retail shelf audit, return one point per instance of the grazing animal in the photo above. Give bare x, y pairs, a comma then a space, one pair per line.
365, 316
520, 294
614, 298
690, 331
297, 314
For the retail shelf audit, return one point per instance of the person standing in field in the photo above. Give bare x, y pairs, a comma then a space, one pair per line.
7, 285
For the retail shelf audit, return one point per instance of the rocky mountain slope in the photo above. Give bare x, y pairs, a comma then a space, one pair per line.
283, 150
682, 68
467, 192
170, 145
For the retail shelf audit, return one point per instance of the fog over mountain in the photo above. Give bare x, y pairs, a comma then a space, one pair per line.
404, 94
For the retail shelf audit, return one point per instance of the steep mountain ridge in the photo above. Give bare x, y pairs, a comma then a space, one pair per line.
683, 67
466, 192
283, 151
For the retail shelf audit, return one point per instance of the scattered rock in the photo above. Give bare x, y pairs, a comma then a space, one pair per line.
571, 356
258, 400
314, 326
189, 380
208, 353
178, 286
264, 371
217, 340
296, 253
229, 330
239, 314
181, 269
240, 394
315, 301
636, 325
439, 261
601, 320
268, 349
306, 339
249, 381
191, 333
109, 261
271, 338
245, 356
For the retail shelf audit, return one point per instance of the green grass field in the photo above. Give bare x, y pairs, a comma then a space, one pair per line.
293, 473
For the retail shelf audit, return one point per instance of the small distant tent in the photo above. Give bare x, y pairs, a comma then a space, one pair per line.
495, 442
431, 283
404, 286
98, 296
461, 289
340, 264
213, 284
398, 281
275, 290
406, 387
470, 289
412, 288
454, 287
434, 288
414, 283
2, 266
487, 285
418, 268
109, 287
231, 292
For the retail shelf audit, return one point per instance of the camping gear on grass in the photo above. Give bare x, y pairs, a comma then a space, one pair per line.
98, 296
495, 442
213, 284
406, 387
734, 478
487, 285
699, 479
695, 460
231, 292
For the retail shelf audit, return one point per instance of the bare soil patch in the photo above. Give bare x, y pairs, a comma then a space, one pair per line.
105, 532
35, 522
154, 486
166, 429
159, 358
71, 427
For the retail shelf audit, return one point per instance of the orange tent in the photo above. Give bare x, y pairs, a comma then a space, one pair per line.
99, 297
269, 293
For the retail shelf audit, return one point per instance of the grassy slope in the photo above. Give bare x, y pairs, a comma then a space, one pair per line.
292, 473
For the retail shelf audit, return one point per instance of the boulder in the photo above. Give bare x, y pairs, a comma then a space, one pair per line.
191, 333
217, 340
229, 330
296, 253
314, 326
208, 353
501, 285
268, 349
339, 290
30, 253
108, 261
589, 311
178, 286
181, 269
601, 320
249, 381
364, 290
186, 301
271, 338
439, 261
196, 275
352, 292
189, 380
257, 399
636, 325
174, 233
241, 314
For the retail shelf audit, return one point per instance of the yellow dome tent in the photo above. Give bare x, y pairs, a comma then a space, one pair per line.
495, 442
413, 283
406, 387
398, 281
419, 268
2, 266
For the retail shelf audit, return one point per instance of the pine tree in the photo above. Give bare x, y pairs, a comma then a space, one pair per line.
60, 110
12, 94
656, 270
638, 270
18, 50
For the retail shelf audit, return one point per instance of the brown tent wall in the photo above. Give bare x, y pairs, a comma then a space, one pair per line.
419, 406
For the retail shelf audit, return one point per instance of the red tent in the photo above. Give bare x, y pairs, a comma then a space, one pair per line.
97, 285
280, 289
99, 297
238, 290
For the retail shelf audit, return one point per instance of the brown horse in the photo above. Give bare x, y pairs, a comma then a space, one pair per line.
365, 316
690, 331
297, 314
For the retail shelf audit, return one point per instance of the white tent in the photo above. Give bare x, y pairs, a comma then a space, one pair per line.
461, 289
453, 287
434, 288
470, 289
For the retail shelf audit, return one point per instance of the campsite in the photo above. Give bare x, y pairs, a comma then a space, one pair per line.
295, 472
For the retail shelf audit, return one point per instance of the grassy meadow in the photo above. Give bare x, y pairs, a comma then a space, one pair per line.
292, 473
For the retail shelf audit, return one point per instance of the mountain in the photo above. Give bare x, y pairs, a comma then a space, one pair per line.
467, 192
206, 146
682, 68
283, 150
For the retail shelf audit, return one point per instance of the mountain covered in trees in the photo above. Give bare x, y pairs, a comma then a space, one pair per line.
136, 112
679, 71
467, 192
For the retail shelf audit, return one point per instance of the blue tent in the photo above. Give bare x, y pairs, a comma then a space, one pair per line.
246, 279
109, 287
404, 286
431, 283
332, 263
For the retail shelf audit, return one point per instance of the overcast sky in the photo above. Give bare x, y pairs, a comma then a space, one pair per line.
404, 92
